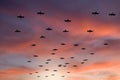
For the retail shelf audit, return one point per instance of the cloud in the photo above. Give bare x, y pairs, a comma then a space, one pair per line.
16, 48
15, 73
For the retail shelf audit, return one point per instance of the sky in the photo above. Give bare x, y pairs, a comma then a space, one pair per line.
16, 48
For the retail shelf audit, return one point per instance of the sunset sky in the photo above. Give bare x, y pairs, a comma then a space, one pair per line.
17, 50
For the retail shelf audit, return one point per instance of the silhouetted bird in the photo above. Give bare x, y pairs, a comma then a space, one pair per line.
35, 56
17, 30
60, 65
48, 29
33, 44
92, 53
40, 65
40, 13
62, 76
48, 60
29, 61
67, 63
38, 76
68, 72
30, 73
36, 72
72, 57
55, 49
64, 65
53, 53
82, 62
52, 74
83, 48
85, 60
46, 76
20, 16
42, 36
95, 13
67, 20
89, 31
46, 69
65, 30
105, 43
55, 70
74, 65
63, 44
112, 14
62, 58
76, 45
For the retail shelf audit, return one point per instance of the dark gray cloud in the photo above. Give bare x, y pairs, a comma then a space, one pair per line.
113, 45
9, 24
66, 8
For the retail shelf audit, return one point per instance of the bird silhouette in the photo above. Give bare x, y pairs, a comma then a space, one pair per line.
67, 63
105, 43
30, 73
85, 59
60, 65
67, 20
17, 30
55, 70
62, 58
65, 30
53, 53
40, 65
63, 44
62, 76
92, 53
36, 72
64, 65
112, 14
46, 76
55, 49
48, 60
38, 76
35, 56
68, 72
33, 45
72, 57
40, 13
49, 29
89, 31
29, 61
76, 44
95, 13
83, 48
74, 65
46, 69
52, 74
20, 16
42, 36
82, 62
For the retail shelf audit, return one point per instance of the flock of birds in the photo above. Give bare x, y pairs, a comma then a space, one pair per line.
66, 64
66, 20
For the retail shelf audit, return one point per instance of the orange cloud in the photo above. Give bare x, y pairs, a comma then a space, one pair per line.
96, 66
